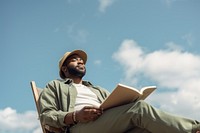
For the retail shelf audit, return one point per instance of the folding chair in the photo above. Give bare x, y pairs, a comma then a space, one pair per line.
36, 92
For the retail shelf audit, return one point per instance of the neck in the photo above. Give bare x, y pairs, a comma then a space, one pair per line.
76, 80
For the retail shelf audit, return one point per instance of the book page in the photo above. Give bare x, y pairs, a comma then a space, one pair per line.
146, 91
129, 87
120, 96
123, 94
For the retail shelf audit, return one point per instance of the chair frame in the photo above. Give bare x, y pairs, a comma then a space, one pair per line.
36, 93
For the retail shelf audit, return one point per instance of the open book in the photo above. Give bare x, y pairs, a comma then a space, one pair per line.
124, 94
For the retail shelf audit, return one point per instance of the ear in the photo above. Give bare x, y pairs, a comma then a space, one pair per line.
64, 68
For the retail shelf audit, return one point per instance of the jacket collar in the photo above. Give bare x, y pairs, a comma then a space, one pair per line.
70, 81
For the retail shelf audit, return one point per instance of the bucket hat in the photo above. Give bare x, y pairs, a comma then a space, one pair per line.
80, 53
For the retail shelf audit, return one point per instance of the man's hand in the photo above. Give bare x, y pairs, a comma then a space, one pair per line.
88, 113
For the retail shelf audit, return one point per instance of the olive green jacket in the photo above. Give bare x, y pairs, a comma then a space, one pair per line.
58, 99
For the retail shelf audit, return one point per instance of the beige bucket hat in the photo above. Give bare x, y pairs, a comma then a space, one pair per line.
81, 53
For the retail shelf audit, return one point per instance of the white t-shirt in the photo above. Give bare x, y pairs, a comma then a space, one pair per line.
85, 97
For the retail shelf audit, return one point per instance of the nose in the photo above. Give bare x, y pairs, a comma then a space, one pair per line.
80, 60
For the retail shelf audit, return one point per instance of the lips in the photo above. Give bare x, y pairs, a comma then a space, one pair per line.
81, 67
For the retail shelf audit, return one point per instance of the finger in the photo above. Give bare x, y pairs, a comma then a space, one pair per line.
99, 112
90, 107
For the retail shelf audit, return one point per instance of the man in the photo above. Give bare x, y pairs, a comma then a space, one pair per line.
73, 105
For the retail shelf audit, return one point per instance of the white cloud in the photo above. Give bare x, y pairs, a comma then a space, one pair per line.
104, 4
82, 35
97, 62
189, 38
171, 69
11, 121
77, 35
173, 46
169, 2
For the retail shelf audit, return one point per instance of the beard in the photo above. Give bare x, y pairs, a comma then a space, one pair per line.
76, 72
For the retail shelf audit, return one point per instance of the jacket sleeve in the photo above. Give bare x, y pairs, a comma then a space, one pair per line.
50, 113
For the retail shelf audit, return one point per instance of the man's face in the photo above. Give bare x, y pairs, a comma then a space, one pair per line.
75, 66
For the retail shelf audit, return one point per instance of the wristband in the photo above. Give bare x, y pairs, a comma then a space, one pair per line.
74, 117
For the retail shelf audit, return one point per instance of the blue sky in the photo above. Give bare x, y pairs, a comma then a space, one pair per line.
135, 42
